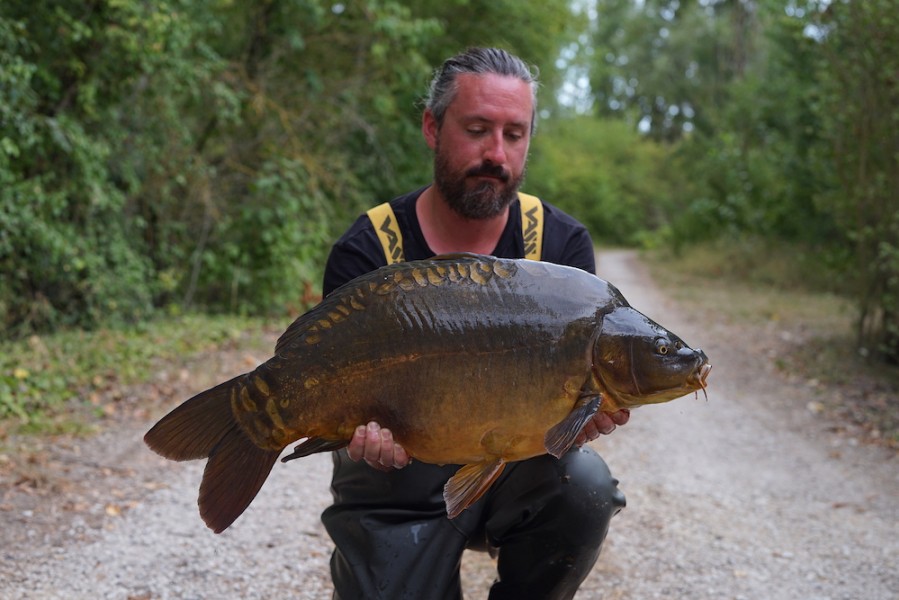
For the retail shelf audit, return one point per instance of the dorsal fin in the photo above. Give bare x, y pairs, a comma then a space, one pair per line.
300, 326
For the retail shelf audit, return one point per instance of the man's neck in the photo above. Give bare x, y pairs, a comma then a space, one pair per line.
446, 231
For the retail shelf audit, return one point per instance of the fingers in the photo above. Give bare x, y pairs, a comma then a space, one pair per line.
356, 448
400, 458
602, 424
621, 417
377, 447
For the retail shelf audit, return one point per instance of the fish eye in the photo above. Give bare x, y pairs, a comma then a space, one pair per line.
662, 346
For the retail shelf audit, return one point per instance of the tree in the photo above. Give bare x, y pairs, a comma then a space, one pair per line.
66, 255
859, 111
665, 65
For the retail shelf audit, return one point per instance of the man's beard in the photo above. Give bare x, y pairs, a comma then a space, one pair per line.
483, 201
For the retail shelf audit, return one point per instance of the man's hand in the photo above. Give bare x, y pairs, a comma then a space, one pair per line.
377, 447
602, 424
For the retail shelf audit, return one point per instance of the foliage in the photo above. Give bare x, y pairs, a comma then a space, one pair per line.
859, 112
535, 31
270, 146
603, 172
203, 154
65, 251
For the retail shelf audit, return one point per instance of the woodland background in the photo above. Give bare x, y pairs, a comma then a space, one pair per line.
181, 157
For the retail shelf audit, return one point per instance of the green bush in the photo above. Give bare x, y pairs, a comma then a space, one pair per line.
66, 250
605, 174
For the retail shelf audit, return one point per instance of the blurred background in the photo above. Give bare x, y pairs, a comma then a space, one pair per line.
172, 173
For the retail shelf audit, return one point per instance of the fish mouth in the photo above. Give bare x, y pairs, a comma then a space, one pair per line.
693, 382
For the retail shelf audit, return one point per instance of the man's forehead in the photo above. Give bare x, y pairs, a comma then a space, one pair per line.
493, 83
485, 96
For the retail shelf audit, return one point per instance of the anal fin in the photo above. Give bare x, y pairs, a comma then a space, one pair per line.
468, 484
562, 435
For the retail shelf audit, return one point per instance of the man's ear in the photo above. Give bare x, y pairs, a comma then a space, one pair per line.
429, 128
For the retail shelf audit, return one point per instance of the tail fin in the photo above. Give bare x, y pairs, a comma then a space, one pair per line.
193, 429
202, 427
236, 470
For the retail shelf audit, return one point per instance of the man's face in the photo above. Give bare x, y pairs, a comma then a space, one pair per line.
480, 151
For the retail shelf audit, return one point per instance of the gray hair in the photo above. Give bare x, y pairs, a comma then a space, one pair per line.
477, 61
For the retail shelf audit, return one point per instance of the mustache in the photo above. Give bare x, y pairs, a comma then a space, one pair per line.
488, 170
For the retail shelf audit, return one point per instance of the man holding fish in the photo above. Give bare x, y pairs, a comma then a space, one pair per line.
544, 519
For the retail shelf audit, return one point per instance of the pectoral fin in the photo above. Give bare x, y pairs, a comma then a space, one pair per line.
468, 484
313, 445
559, 439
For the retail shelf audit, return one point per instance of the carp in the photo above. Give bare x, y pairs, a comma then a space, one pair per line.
468, 359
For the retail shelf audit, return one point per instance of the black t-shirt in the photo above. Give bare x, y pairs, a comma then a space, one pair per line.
358, 251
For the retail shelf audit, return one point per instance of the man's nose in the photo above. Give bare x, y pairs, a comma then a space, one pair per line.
495, 149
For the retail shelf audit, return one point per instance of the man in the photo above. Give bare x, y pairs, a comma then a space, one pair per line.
545, 518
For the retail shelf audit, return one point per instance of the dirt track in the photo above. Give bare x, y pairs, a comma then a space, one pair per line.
747, 495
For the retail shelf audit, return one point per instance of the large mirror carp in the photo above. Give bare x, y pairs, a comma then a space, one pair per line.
468, 359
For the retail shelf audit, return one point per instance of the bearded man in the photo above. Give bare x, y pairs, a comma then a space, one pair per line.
544, 519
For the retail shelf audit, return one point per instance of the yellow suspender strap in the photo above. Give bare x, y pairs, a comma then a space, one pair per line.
531, 225
388, 231
391, 239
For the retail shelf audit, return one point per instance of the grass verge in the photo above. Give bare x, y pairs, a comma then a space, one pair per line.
52, 384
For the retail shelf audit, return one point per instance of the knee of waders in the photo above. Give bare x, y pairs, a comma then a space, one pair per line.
587, 492
573, 498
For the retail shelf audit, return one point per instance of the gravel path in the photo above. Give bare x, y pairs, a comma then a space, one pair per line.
748, 495
745, 496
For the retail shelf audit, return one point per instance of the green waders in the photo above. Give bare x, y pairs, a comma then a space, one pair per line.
544, 519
